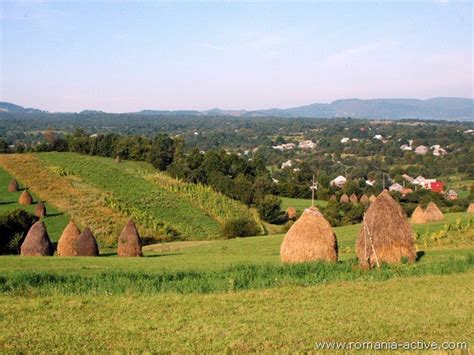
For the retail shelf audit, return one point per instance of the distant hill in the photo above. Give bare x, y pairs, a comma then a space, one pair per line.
440, 108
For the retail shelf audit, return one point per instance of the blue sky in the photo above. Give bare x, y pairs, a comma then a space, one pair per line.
125, 56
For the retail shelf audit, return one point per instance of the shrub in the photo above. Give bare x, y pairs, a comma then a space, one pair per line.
13, 227
269, 208
240, 227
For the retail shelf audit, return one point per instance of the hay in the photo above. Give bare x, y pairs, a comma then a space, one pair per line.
40, 210
129, 242
354, 198
344, 198
470, 209
87, 245
433, 213
385, 230
37, 242
309, 238
118, 159
69, 241
372, 198
418, 216
291, 212
13, 186
25, 198
364, 199
333, 198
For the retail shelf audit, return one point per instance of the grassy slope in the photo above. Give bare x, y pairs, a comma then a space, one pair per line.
287, 319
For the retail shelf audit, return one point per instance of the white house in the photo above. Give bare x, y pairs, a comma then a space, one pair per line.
340, 181
344, 140
421, 150
287, 164
370, 182
286, 146
405, 147
396, 187
309, 144
378, 136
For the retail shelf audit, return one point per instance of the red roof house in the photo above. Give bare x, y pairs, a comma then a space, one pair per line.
437, 186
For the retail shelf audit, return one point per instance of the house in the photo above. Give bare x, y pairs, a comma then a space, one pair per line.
452, 195
275, 181
344, 140
340, 181
421, 150
405, 191
396, 187
437, 150
405, 147
437, 186
355, 139
407, 178
378, 136
287, 164
421, 181
286, 146
309, 144
370, 182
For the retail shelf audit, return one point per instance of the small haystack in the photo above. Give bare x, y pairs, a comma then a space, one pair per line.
40, 210
333, 198
385, 235
13, 186
37, 242
364, 199
129, 242
87, 245
69, 241
344, 199
418, 216
291, 212
372, 198
118, 159
25, 198
354, 198
309, 238
433, 213
470, 209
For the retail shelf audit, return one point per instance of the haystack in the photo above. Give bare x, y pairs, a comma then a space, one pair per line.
344, 199
333, 198
118, 159
433, 213
470, 209
129, 242
25, 198
40, 210
69, 240
354, 198
87, 245
372, 198
364, 199
385, 235
13, 186
418, 216
309, 238
291, 212
37, 242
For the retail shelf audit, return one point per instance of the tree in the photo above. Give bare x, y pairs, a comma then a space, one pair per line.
162, 152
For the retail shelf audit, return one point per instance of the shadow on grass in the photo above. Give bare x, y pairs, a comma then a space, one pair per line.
108, 254
419, 255
54, 214
7, 203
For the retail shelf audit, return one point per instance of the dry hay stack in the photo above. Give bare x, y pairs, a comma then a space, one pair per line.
37, 242
386, 231
470, 209
354, 198
25, 198
344, 199
87, 245
364, 199
372, 198
291, 212
13, 186
418, 216
309, 238
69, 241
433, 213
333, 198
129, 242
40, 210
118, 159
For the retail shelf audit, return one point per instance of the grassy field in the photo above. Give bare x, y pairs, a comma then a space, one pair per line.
300, 203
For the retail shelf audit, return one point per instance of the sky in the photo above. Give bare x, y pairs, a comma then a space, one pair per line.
119, 56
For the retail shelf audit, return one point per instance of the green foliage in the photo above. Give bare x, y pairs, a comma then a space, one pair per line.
13, 227
269, 208
240, 227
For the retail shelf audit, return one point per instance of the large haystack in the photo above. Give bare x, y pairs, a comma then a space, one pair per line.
344, 198
37, 242
354, 198
87, 245
470, 209
433, 213
333, 198
309, 238
418, 216
40, 210
129, 242
372, 198
69, 240
25, 198
364, 199
291, 212
13, 186
385, 235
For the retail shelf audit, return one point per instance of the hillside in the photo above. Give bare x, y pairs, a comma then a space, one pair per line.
101, 194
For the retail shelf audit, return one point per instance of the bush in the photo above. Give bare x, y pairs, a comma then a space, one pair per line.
269, 208
13, 228
240, 227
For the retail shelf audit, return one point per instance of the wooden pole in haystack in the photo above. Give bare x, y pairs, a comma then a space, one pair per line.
313, 188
